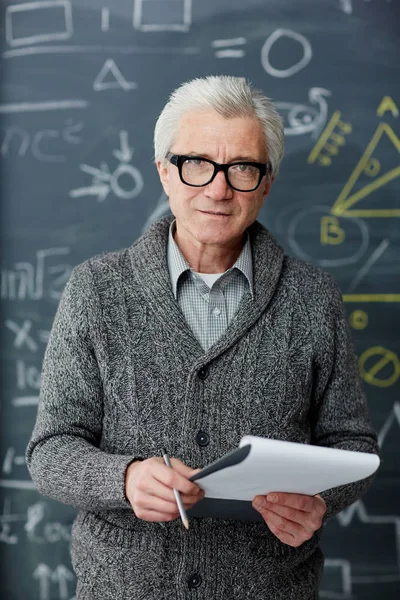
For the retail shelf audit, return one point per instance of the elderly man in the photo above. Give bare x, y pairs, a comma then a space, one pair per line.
199, 333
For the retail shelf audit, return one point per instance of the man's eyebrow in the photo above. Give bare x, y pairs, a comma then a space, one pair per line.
233, 160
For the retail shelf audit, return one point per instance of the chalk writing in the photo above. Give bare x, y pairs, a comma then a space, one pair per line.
369, 166
222, 51
103, 181
44, 278
23, 107
387, 105
300, 119
330, 141
61, 576
377, 253
59, 9
105, 19
17, 141
379, 366
172, 15
358, 319
115, 78
24, 338
281, 34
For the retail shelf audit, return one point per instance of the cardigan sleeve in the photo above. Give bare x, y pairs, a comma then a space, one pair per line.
63, 454
340, 417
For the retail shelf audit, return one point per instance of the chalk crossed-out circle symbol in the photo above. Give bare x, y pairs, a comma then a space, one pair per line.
379, 359
132, 172
303, 62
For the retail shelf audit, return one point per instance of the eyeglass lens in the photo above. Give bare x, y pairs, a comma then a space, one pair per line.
199, 172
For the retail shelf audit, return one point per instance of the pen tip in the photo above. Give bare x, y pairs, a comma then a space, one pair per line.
186, 523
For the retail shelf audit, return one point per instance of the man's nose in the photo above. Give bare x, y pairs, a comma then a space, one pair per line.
219, 189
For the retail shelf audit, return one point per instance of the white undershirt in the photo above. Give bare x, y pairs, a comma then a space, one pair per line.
209, 278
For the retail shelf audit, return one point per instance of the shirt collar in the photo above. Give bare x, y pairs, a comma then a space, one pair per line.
177, 263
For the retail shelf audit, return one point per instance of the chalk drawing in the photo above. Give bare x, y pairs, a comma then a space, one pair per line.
295, 68
301, 119
177, 15
64, 15
117, 80
103, 181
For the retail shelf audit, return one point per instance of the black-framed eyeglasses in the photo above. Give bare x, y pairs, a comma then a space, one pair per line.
197, 171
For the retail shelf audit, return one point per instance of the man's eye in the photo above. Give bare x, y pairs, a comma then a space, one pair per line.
194, 162
242, 168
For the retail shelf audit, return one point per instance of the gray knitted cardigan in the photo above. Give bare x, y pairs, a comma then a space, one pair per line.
124, 376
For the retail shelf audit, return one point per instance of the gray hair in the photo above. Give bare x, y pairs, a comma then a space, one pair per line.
228, 96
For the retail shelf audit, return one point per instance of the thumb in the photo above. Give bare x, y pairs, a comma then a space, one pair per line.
194, 471
181, 468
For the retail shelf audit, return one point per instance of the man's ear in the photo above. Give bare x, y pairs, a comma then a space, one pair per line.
164, 176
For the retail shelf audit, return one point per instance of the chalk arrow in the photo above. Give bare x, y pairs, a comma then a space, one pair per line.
125, 153
99, 174
62, 575
101, 191
43, 574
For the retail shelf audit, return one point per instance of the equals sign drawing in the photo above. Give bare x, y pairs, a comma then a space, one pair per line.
223, 52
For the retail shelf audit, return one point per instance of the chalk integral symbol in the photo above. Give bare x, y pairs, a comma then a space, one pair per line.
378, 166
110, 77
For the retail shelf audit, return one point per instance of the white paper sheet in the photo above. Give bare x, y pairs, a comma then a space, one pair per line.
278, 466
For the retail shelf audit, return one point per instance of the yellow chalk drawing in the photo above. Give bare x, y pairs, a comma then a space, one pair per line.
358, 319
371, 297
371, 166
330, 141
331, 232
380, 359
386, 105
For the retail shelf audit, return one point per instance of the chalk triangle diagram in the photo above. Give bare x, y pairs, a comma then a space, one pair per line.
110, 77
367, 177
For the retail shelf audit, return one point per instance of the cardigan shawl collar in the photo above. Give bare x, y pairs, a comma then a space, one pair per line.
148, 256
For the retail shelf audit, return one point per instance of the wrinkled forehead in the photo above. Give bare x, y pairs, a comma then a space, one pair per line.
206, 131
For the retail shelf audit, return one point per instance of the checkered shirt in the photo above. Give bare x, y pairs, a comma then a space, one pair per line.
209, 311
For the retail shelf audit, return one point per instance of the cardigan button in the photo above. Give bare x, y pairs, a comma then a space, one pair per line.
203, 373
194, 581
203, 439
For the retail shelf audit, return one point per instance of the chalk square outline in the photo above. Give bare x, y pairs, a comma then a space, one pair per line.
184, 26
45, 37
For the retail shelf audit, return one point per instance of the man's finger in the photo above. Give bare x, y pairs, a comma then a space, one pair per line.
298, 501
171, 478
309, 520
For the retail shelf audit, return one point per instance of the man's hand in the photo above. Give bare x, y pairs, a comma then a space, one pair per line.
293, 518
149, 488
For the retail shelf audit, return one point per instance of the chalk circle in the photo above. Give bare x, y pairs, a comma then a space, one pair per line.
303, 62
137, 179
358, 319
372, 167
379, 359
295, 227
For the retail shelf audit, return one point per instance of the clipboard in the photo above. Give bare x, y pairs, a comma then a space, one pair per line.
261, 465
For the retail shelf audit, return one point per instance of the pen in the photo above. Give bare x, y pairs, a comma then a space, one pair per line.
182, 510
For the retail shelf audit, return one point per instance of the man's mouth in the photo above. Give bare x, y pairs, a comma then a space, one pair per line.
211, 212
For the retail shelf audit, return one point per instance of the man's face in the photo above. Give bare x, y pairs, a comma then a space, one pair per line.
215, 214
